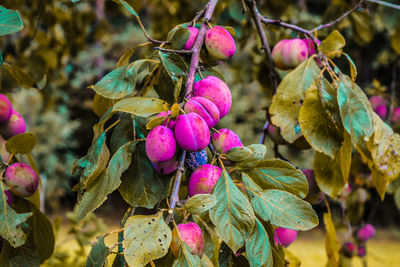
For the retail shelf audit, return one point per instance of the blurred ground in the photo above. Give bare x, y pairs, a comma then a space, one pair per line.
383, 250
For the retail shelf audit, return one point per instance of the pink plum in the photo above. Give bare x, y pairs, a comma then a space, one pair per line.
366, 232
224, 140
167, 123
16, 125
381, 111
349, 248
160, 144
215, 90
9, 197
192, 38
192, 235
287, 54
191, 132
395, 117
21, 179
205, 108
361, 251
285, 236
5, 109
310, 46
166, 167
204, 179
377, 101
220, 43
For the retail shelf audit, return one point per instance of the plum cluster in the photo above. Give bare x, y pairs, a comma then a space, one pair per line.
20, 178
362, 235
190, 131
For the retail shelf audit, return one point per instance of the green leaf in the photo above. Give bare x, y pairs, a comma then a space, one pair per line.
11, 222
21, 143
281, 208
95, 161
332, 174
117, 84
200, 203
363, 27
289, 97
179, 37
206, 262
141, 185
258, 152
141, 106
124, 59
317, 128
43, 235
10, 21
174, 64
355, 110
185, 258
97, 192
239, 153
328, 98
20, 75
395, 41
353, 69
331, 242
258, 248
279, 174
332, 46
101, 105
98, 254
233, 215
146, 237
129, 8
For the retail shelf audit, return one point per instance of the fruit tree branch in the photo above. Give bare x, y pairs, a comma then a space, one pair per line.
194, 63
339, 19
175, 190
384, 3
255, 14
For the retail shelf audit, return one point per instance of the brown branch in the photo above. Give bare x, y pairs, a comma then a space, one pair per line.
339, 19
175, 190
264, 132
194, 63
257, 17
383, 3
182, 51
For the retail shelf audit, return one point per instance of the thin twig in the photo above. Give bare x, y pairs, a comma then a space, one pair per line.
264, 132
194, 63
255, 14
175, 190
392, 94
383, 3
339, 19
182, 51
37, 20
198, 16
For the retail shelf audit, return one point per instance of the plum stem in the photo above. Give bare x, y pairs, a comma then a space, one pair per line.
175, 190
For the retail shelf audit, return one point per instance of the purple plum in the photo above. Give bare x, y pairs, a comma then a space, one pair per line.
377, 101
205, 108
166, 167
196, 159
160, 144
395, 117
215, 90
192, 38
9, 197
366, 232
361, 251
381, 111
349, 249
5, 109
16, 125
288, 54
285, 236
192, 235
220, 43
224, 140
204, 179
191, 132
21, 179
